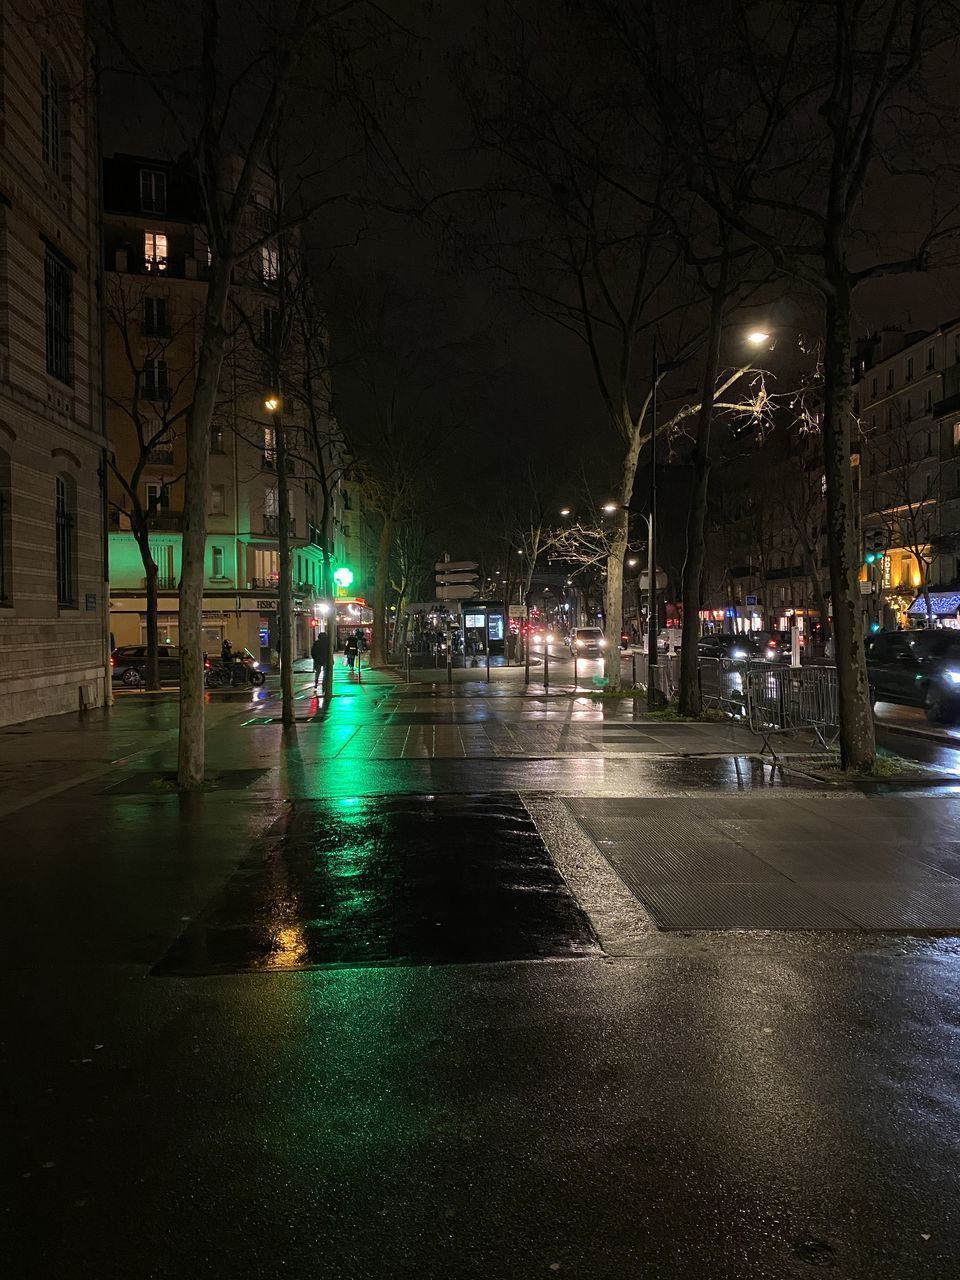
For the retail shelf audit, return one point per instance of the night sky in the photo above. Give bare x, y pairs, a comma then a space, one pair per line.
538, 400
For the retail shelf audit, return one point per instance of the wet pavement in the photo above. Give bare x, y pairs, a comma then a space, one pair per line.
380, 1013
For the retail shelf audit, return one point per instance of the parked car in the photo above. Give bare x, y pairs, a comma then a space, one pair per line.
918, 668
129, 664
588, 642
733, 648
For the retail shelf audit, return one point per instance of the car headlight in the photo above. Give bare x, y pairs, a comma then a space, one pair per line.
738, 653
953, 676
603, 644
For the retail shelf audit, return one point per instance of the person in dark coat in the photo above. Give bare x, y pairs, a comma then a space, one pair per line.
351, 649
318, 652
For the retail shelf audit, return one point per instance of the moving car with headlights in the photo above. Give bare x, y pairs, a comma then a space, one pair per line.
732, 648
918, 668
588, 642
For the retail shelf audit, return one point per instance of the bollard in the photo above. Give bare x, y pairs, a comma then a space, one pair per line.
449, 664
546, 664
488, 664
576, 679
633, 665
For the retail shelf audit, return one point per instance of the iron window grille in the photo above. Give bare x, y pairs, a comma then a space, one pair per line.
57, 291
66, 594
50, 116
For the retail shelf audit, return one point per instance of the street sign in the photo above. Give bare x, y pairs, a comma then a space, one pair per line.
456, 593
455, 566
456, 579
750, 600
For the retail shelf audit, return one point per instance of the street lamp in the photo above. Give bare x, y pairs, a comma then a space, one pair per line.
564, 511
271, 403
758, 337
610, 507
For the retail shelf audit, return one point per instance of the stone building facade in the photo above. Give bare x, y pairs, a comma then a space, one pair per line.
53, 591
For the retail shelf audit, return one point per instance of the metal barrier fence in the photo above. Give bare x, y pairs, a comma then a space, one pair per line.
789, 699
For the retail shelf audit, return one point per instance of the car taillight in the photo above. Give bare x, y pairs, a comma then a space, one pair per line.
113, 662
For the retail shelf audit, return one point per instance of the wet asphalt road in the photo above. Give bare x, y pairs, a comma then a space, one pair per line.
738, 1105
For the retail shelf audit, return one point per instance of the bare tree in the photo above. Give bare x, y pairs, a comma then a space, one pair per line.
148, 393
225, 107
827, 113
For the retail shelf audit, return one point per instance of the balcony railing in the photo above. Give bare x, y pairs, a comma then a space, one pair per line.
265, 584
161, 457
169, 521
271, 526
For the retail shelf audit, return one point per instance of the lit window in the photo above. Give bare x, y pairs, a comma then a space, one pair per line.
155, 250
216, 556
956, 435
51, 119
153, 191
269, 448
269, 263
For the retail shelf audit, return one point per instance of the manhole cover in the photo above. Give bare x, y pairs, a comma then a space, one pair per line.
390, 880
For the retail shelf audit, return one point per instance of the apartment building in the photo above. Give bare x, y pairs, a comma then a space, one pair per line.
156, 280
909, 405
52, 451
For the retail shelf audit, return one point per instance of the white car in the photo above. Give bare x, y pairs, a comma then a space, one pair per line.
588, 642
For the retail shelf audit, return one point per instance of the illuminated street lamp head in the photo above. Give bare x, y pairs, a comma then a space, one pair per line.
609, 508
632, 563
564, 511
758, 337
271, 403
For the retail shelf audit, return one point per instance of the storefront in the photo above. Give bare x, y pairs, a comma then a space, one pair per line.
944, 605
247, 620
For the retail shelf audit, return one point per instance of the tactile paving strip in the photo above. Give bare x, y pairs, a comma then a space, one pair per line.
690, 869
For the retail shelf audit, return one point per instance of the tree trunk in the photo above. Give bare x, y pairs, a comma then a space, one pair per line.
331, 617
284, 587
816, 586
378, 650
857, 749
612, 667
142, 536
690, 701
190, 761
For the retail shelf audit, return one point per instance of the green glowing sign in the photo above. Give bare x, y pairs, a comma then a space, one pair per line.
343, 577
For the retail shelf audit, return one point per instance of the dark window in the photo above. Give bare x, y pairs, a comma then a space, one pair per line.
57, 289
155, 317
270, 328
6, 583
50, 112
158, 497
931, 358
66, 543
153, 191
216, 439
155, 384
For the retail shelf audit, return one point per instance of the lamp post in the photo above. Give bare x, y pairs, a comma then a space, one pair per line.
274, 406
653, 620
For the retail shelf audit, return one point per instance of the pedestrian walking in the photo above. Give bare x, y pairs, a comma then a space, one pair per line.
226, 651
318, 654
351, 649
